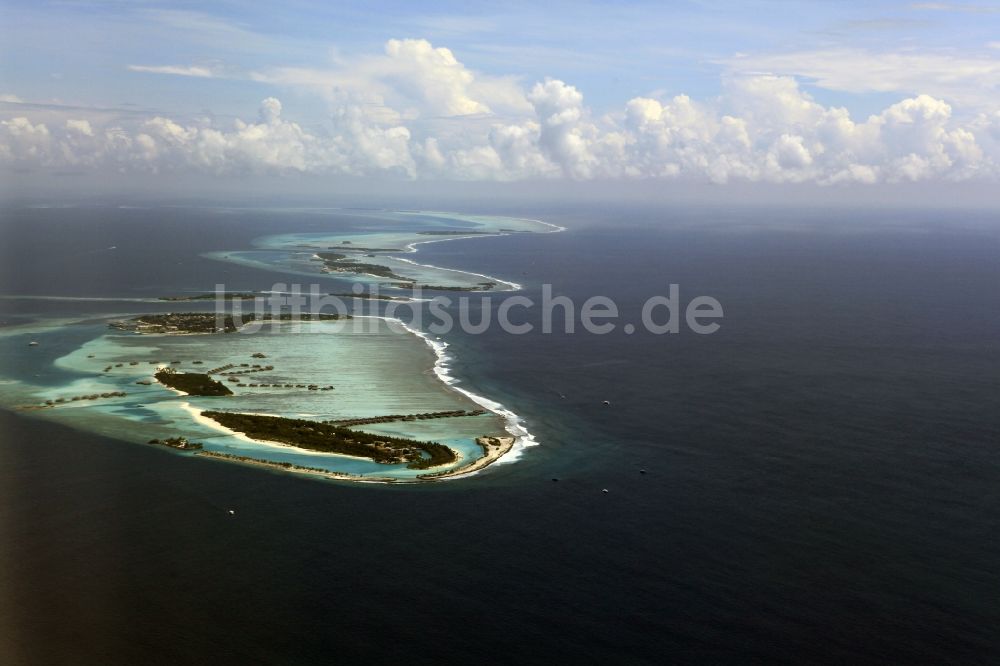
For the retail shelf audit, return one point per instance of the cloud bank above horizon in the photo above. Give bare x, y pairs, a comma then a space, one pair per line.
416, 111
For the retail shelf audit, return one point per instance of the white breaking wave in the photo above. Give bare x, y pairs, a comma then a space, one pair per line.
514, 286
513, 423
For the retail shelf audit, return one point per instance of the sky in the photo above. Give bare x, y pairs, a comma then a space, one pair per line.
769, 92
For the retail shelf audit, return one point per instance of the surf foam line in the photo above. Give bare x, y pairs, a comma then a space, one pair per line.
472, 218
555, 227
514, 286
513, 424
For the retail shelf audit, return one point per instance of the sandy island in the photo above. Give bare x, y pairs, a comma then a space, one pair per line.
494, 448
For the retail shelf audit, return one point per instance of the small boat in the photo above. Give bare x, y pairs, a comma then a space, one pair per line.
607, 402
604, 490
32, 344
232, 512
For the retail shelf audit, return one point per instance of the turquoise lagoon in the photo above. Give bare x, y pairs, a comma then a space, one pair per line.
377, 367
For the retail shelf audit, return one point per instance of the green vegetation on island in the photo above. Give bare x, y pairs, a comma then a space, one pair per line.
227, 296
192, 383
181, 443
334, 262
210, 322
479, 286
389, 418
317, 436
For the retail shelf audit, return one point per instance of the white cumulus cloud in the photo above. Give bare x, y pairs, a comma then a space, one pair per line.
416, 111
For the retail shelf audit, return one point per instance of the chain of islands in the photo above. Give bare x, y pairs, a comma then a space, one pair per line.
342, 396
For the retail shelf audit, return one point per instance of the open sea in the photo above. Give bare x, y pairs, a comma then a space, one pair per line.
822, 474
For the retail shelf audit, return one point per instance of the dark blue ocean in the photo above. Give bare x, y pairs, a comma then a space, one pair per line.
822, 474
